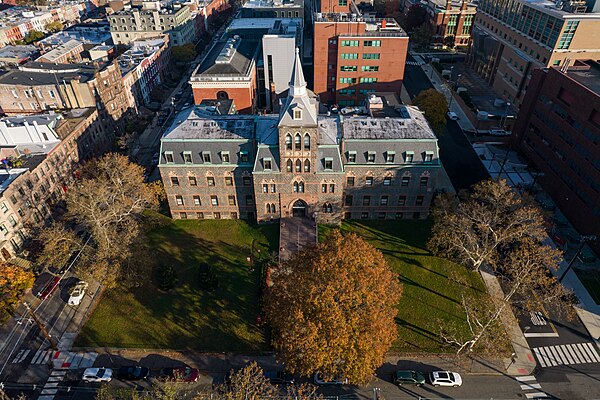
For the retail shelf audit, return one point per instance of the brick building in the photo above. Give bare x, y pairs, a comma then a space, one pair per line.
301, 163
558, 130
69, 52
354, 55
451, 20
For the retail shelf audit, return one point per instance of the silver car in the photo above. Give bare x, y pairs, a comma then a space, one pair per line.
97, 375
76, 293
445, 378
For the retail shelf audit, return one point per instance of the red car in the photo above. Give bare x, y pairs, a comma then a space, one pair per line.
49, 288
180, 374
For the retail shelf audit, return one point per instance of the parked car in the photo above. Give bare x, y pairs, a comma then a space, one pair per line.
499, 132
180, 374
133, 373
49, 287
279, 377
337, 380
445, 378
406, 377
76, 293
452, 116
97, 375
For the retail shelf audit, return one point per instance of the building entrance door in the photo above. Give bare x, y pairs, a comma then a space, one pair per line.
299, 209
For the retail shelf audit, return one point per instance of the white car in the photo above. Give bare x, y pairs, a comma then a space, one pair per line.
498, 132
338, 380
76, 293
97, 375
445, 378
452, 116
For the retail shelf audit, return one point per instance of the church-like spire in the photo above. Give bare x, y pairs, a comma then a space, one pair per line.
297, 83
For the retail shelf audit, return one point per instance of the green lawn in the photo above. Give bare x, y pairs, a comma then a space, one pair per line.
591, 281
187, 317
431, 292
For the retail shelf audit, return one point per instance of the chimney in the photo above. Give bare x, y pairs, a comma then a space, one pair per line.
383, 23
463, 5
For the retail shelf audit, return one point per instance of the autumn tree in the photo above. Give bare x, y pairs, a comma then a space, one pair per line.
185, 53
332, 308
54, 26
14, 280
472, 231
434, 106
33, 36
54, 245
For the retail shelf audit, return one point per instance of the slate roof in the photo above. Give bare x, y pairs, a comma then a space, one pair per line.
36, 73
414, 127
299, 98
192, 124
271, 152
240, 62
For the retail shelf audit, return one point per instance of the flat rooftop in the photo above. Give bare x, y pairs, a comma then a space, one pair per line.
194, 125
273, 4
587, 75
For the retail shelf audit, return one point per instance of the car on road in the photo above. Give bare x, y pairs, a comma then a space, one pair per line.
49, 287
407, 377
445, 378
76, 293
132, 373
180, 374
97, 375
499, 132
279, 377
337, 380
452, 116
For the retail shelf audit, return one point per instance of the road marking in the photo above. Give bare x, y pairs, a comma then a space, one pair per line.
584, 353
537, 318
36, 356
537, 395
541, 334
21, 356
541, 358
566, 354
526, 378
531, 386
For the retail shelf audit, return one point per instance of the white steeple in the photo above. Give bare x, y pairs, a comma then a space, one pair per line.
300, 107
297, 83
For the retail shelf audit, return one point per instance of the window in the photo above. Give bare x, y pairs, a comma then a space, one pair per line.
247, 181
369, 68
297, 142
249, 200
327, 208
369, 181
210, 181
381, 215
408, 156
228, 181
324, 188
243, 156
349, 56
390, 156
306, 166
371, 157
419, 200
174, 181
342, 3
13, 199
169, 157
405, 180
225, 157
350, 181
347, 80
231, 200
187, 157
217, 215
306, 141
298, 166
371, 56
348, 200
349, 43
267, 163
12, 220
179, 200
288, 142
265, 188
3, 207
328, 164
364, 215
351, 156
387, 181
297, 114
206, 156
368, 80
200, 215
402, 200
299, 187
197, 201
384, 200
273, 188
424, 180
366, 201
289, 165
348, 68
428, 156
347, 91
331, 188
234, 215
372, 43
183, 215
214, 200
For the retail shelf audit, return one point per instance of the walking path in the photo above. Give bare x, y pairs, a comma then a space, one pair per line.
294, 234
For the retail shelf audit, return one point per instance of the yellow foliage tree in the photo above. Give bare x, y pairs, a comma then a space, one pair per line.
14, 281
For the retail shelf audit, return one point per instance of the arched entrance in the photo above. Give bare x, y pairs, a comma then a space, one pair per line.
299, 209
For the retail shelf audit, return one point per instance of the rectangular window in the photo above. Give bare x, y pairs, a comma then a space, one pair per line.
12, 220
200, 215
342, 3
371, 56
192, 180
183, 215
364, 215
351, 156
228, 181
369, 68
369, 181
381, 215
217, 215
214, 200
331, 188
408, 156
368, 80
348, 200
3, 207
349, 56
384, 201
234, 215
179, 200
387, 181
372, 43
423, 182
389, 156
174, 181
231, 200
247, 181
347, 80
419, 200
366, 200
324, 188
197, 201
273, 188
328, 164
267, 164
371, 157
428, 156
187, 157
347, 91
169, 157
243, 156
265, 187
349, 43
249, 200
350, 181
399, 215
225, 157
206, 157
348, 68
210, 181
402, 200
405, 180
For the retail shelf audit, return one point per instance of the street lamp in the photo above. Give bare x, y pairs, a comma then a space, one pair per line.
503, 121
583, 239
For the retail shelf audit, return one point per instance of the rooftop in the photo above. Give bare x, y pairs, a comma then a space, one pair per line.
233, 57
85, 33
6, 177
273, 3
140, 50
38, 73
261, 23
193, 124
587, 73
441, 4
60, 51
373, 26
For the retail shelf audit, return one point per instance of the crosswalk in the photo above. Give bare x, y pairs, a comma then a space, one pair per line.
415, 63
51, 387
566, 354
39, 357
531, 388
537, 318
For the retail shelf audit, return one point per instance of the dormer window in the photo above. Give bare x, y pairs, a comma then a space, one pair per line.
409, 156
187, 157
267, 164
389, 156
371, 157
297, 114
225, 157
206, 157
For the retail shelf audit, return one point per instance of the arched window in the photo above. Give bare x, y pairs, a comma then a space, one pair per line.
327, 208
298, 166
301, 187
288, 142
268, 208
306, 141
273, 210
297, 142
296, 187
290, 164
222, 95
306, 165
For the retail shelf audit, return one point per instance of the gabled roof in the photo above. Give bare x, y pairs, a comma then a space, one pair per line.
300, 99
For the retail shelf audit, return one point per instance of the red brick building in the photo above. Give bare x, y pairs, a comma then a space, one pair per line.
451, 21
558, 130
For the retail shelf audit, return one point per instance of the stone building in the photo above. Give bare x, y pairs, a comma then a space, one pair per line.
302, 163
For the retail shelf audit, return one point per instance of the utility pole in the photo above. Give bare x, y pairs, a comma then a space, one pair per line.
53, 343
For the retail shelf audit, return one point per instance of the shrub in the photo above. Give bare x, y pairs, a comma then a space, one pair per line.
166, 278
207, 280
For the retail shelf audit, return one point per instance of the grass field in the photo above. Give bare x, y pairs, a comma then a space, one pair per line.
187, 317
431, 290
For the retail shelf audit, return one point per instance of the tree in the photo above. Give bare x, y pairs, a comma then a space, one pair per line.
415, 17
14, 280
332, 308
185, 53
422, 36
33, 36
493, 215
55, 245
450, 41
434, 106
54, 26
